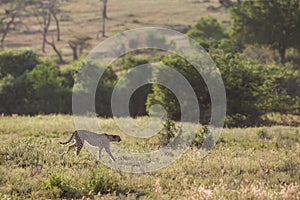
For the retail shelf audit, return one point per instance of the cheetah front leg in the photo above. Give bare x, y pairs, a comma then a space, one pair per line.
110, 154
99, 153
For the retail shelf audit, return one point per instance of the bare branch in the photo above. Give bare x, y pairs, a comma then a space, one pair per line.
58, 53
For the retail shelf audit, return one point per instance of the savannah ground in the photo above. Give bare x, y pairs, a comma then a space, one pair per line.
83, 18
246, 163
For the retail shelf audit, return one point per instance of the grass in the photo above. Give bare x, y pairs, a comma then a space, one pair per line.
84, 18
246, 163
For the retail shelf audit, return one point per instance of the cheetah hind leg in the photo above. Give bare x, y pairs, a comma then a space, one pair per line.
70, 148
78, 149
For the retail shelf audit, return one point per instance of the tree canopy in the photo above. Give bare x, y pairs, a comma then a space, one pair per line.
275, 23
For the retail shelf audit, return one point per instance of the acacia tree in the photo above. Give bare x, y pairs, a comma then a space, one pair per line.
55, 10
11, 16
230, 3
13, 11
275, 23
79, 43
104, 9
58, 53
44, 11
43, 16
104, 17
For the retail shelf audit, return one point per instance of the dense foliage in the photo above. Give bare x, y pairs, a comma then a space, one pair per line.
275, 23
252, 88
30, 84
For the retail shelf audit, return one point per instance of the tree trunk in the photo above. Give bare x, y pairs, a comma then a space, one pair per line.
282, 51
52, 44
47, 21
5, 31
57, 26
104, 8
103, 27
74, 50
103, 24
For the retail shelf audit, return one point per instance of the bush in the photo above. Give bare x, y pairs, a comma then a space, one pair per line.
207, 32
15, 90
252, 88
138, 99
30, 85
168, 133
102, 183
49, 94
60, 186
104, 86
17, 62
163, 96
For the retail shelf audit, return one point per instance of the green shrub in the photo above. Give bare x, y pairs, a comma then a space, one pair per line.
104, 86
15, 90
17, 62
252, 89
49, 95
207, 32
30, 85
103, 183
164, 96
263, 134
60, 186
168, 132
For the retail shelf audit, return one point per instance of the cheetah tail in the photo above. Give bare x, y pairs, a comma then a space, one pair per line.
64, 143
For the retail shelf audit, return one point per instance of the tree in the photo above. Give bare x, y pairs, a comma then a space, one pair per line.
207, 31
58, 53
13, 10
104, 11
55, 10
43, 16
275, 23
230, 3
105, 86
138, 99
49, 95
15, 89
226, 3
79, 43
164, 96
254, 89
104, 17
31, 85
44, 11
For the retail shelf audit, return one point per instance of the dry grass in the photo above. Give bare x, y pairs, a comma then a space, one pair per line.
249, 163
84, 18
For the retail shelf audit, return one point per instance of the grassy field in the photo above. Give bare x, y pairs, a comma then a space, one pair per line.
248, 163
80, 18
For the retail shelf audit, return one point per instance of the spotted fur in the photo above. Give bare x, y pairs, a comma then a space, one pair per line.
98, 140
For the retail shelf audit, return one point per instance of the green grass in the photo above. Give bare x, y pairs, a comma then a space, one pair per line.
246, 163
